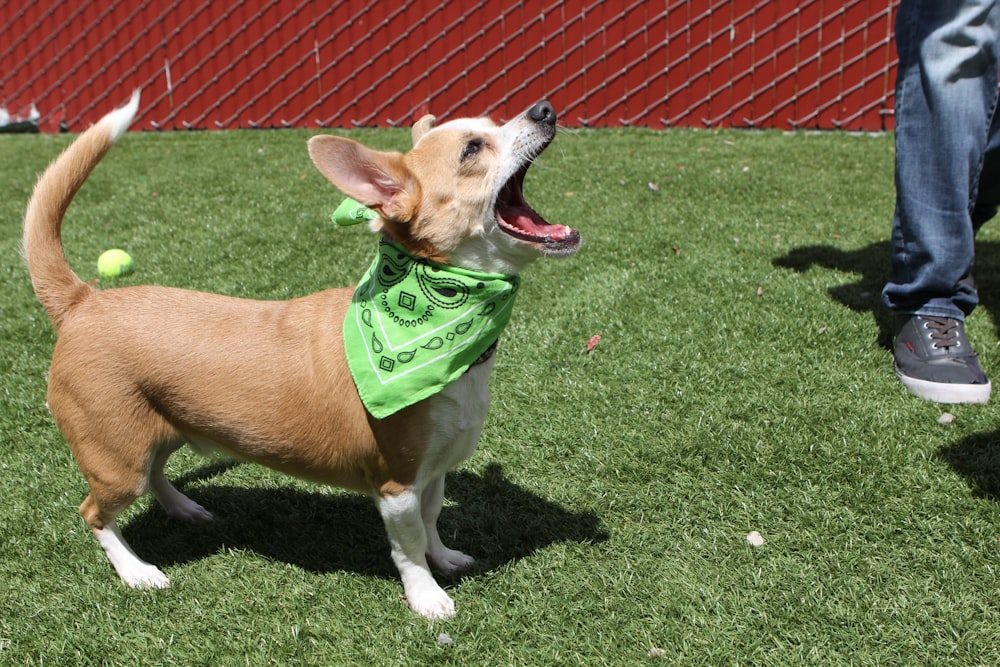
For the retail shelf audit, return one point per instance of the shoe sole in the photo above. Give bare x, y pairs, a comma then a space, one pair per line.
945, 392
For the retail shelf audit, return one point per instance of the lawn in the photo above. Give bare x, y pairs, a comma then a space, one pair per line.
742, 382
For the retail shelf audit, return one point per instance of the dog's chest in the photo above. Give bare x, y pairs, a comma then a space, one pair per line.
457, 414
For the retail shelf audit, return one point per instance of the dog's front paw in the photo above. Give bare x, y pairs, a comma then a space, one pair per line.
144, 576
432, 603
449, 561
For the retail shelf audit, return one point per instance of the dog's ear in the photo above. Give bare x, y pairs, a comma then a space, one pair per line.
421, 127
378, 179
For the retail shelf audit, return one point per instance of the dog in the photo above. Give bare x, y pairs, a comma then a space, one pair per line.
138, 372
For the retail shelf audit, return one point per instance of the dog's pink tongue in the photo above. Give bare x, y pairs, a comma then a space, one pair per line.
526, 220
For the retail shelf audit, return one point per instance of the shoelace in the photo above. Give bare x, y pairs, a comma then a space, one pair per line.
944, 331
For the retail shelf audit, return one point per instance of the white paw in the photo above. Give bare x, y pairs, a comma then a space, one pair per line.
448, 561
432, 604
144, 576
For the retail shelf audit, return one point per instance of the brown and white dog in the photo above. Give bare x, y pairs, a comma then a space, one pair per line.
267, 381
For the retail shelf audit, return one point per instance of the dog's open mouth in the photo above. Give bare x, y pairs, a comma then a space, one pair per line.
516, 217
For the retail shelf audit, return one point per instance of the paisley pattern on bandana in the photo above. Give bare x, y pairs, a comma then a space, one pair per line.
414, 326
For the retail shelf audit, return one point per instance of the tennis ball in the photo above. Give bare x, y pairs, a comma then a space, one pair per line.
114, 263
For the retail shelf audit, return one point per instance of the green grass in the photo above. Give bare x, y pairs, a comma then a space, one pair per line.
742, 382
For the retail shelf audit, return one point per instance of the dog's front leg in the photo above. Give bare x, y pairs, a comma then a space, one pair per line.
444, 559
408, 539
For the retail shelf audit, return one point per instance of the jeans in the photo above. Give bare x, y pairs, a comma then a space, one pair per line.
947, 152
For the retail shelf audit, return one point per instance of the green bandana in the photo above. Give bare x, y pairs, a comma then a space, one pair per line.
415, 326
351, 212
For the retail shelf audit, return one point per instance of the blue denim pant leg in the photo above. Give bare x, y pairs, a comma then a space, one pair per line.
946, 93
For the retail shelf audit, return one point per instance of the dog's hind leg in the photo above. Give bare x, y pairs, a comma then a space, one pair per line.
444, 559
115, 444
134, 571
408, 538
100, 510
174, 503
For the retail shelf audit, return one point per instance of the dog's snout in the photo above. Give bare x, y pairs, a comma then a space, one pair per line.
543, 113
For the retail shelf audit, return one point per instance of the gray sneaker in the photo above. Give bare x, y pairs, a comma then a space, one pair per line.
934, 360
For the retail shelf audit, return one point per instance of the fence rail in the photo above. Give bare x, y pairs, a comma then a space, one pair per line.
261, 63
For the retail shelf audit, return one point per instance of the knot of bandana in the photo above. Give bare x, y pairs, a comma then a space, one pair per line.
415, 326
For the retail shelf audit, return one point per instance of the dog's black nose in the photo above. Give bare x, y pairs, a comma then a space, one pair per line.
543, 113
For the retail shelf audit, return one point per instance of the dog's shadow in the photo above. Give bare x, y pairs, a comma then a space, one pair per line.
487, 516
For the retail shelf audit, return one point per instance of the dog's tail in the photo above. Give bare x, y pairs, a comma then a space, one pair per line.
56, 286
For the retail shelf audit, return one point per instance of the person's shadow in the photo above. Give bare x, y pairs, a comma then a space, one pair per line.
490, 518
976, 458
871, 264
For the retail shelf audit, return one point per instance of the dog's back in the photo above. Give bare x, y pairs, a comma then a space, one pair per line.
286, 400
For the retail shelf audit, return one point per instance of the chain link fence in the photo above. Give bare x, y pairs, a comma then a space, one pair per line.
204, 64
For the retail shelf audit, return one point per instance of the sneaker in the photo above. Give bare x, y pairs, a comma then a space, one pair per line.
934, 360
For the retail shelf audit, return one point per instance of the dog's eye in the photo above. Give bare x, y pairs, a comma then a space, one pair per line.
471, 149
